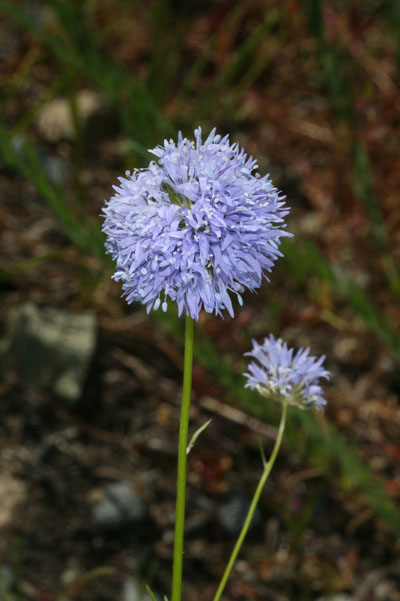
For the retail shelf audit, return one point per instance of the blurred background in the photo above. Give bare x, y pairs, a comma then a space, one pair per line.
90, 388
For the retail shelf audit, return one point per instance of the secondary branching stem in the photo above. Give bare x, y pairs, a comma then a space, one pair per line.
267, 470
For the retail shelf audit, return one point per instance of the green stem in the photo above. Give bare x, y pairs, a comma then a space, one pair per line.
267, 469
181, 483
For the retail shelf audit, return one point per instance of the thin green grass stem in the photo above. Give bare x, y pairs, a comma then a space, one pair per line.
181, 481
267, 470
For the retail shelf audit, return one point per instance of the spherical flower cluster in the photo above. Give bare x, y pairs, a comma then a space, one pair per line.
280, 375
194, 226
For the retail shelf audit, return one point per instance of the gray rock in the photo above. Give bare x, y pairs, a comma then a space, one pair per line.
132, 591
55, 167
51, 349
232, 512
119, 508
96, 119
387, 589
7, 581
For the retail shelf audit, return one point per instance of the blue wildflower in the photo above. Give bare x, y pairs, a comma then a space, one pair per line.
194, 227
280, 375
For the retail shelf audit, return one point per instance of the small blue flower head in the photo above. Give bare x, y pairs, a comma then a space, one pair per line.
280, 375
194, 227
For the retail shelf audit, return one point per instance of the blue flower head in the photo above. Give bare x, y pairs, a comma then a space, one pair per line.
280, 375
194, 227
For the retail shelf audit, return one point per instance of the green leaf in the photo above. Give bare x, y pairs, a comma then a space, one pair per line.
152, 595
196, 435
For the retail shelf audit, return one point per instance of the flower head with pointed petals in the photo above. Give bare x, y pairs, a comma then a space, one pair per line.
194, 227
281, 375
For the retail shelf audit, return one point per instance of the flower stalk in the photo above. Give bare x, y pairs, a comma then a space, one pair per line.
182, 447
267, 470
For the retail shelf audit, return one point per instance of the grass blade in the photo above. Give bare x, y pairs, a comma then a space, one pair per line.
305, 259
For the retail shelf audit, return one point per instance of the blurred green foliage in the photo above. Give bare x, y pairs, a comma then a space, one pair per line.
143, 107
